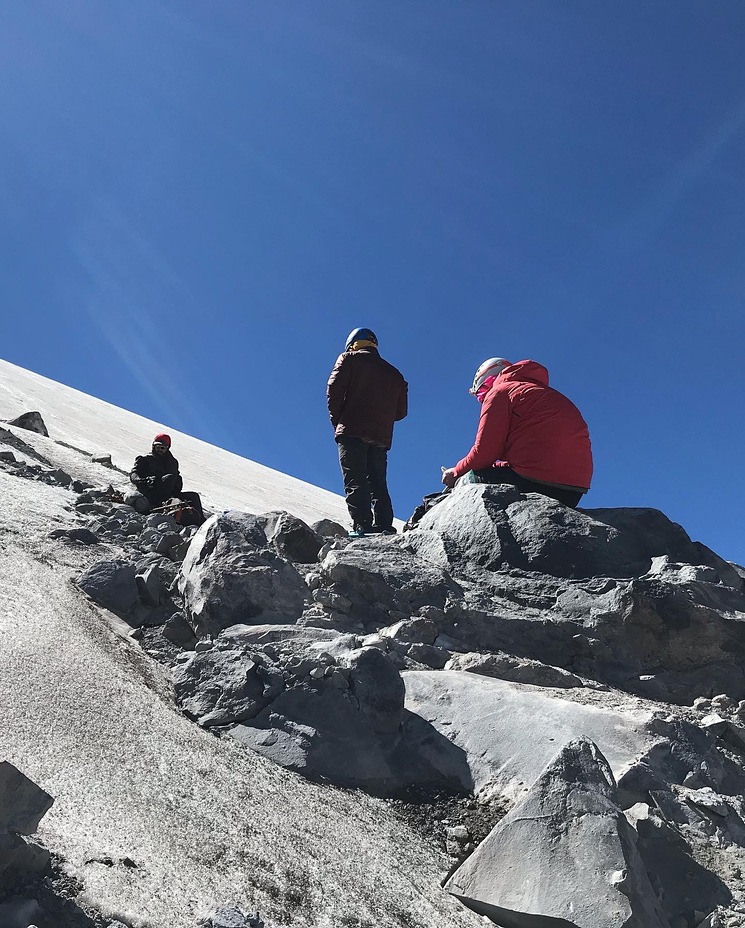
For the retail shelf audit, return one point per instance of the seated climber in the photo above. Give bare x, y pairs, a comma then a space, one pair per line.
157, 478
529, 435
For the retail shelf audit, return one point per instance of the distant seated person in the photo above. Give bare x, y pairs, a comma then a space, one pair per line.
157, 478
529, 434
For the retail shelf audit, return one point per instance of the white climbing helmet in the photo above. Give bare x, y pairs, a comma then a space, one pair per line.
490, 368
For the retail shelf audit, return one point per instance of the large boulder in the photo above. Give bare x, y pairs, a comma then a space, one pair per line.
22, 806
230, 576
674, 634
565, 855
341, 720
508, 732
31, 421
291, 537
111, 584
344, 729
493, 526
224, 685
381, 577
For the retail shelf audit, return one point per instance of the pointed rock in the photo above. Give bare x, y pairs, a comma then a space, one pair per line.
23, 804
31, 421
565, 856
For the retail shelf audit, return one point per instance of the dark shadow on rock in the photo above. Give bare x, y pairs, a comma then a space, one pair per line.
420, 760
31, 421
507, 919
681, 883
431, 757
53, 895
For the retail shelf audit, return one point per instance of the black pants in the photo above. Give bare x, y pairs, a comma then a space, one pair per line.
363, 468
167, 489
569, 498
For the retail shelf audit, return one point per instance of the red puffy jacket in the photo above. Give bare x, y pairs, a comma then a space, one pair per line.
535, 430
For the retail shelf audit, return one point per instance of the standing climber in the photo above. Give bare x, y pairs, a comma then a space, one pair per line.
156, 476
529, 434
365, 395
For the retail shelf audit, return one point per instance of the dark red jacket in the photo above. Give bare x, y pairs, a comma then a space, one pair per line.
365, 396
533, 429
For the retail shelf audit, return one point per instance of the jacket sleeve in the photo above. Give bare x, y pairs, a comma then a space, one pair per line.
491, 437
336, 389
137, 474
179, 483
403, 403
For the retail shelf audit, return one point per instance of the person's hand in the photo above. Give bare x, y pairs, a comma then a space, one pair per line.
449, 477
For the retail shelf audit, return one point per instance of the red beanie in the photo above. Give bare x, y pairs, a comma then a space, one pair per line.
163, 439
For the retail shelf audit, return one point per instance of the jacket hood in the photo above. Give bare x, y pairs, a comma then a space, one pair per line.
524, 370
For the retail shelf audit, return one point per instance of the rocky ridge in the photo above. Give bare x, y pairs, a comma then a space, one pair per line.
586, 668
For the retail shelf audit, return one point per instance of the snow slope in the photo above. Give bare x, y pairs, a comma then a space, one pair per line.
225, 480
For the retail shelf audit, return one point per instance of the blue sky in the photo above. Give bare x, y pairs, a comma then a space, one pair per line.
198, 201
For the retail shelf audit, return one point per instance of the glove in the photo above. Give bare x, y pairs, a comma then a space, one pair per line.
151, 481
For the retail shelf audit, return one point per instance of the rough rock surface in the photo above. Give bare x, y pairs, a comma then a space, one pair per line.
568, 832
22, 806
111, 584
509, 732
230, 576
32, 421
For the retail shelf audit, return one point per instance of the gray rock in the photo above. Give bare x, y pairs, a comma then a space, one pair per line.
570, 823
152, 585
21, 857
17, 912
161, 522
382, 578
516, 669
104, 459
504, 755
137, 501
298, 638
493, 526
60, 477
23, 804
292, 538
378, 689
178, 631
233, 917
416, 629
111, 584
343, 727
428, 655
329, 529
31, 421
222, 686
166, 542
83, 536
91, 509
227, 578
